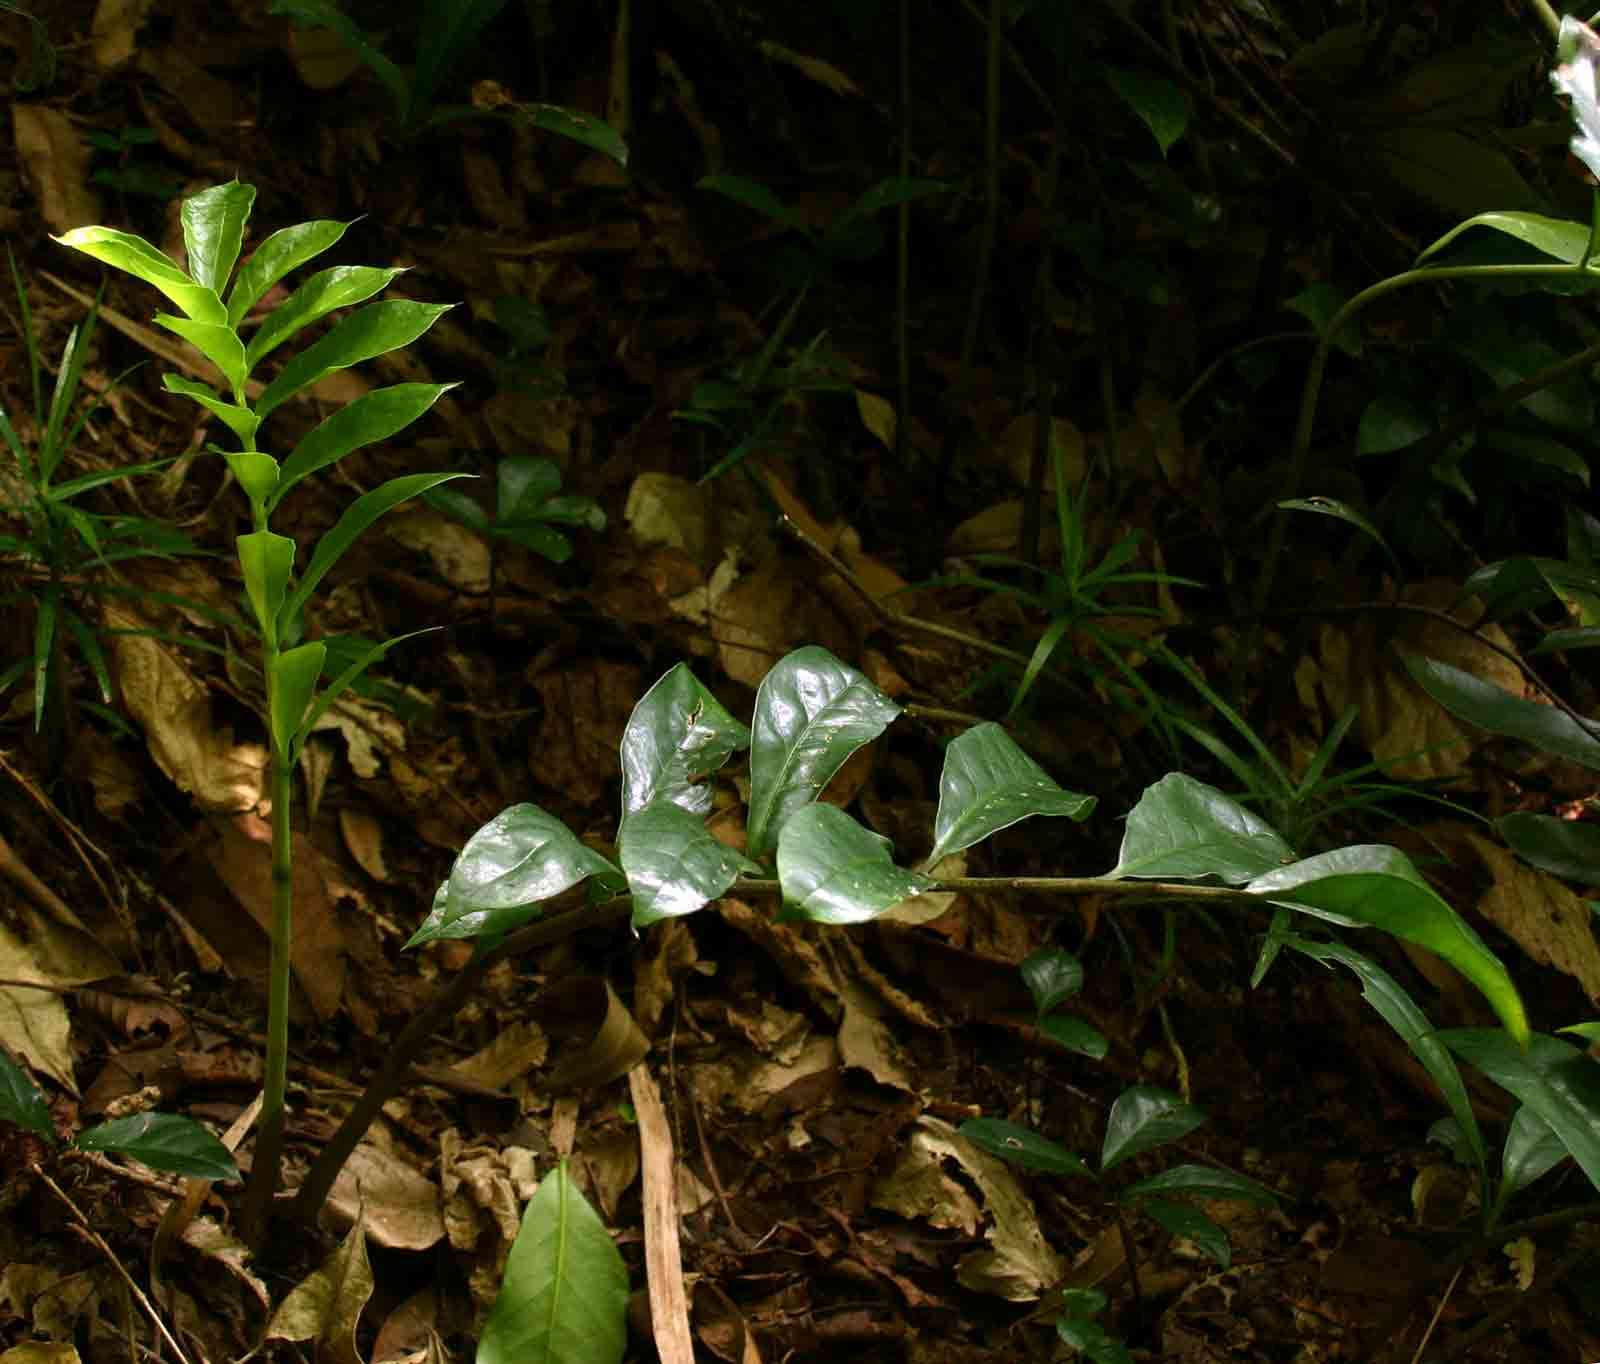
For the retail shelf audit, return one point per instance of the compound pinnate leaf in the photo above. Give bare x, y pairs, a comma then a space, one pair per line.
213, 230
374, 330
989, 784
1142, 1119
673, 862
1483, 704
163, 1141
1377, 885
835, 872
1200, 1181
22, 1101
1053, 975
565, 1293
1183, 829
812, 712
677, 734
520, 857
138, 258
286, 249
1560, 1083
1022, 1146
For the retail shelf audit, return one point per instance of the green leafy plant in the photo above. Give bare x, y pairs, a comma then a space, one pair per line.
68, 552
213, 226
812, 712
449, 28
163, 1141
130, 173
527, 508
565, 1288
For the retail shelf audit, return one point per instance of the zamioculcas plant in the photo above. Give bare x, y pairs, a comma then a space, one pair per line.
212, 313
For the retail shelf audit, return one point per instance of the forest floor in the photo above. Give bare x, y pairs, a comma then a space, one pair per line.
813, 1079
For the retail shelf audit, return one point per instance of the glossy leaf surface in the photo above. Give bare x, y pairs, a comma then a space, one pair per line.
214, 340
1053, 975
1532, 1150
1183, 829
213, 231
677, 734
294, 676
240, 420
1560, 1083
835, 872
989, 784
1023, 1146
163, 1141
1200, 1181
1377, 885
1143, 1118
673, 863
342, 286
371, 331
286, 249
138, 258
22, 1102
564, 1296
812, 712
1483, 704
1563, 847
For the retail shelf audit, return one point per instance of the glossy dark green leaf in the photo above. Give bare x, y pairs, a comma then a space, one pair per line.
1180, 1219
1567, 848
564, 1296
1143, 1118
989, 784
753, 195
584, 129
22, 1102
266, 560
214, 340
163, 1141
342, 286
523, 484
138, 258
812, 712
1579, 637
1161, 105
1091, 1340
368, 419
239, 419
1022, 1146
1053, 975
286, 249
1396, 1007
1075, 1035
371, 331
1182, 829
673, 862
213, 230
835, 872
1561, 238
1532, 1150
1560, 1083
1200, 1181
294, 682
347, 529
1377, 885
1483, 704
678, 734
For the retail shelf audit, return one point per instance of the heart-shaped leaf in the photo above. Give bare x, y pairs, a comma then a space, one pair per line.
989, 784
520, 857
1182, 829
835, 872
812, 712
